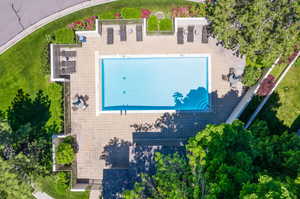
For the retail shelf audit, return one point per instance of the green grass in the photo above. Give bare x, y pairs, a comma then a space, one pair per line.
289, 95
64, 36
57, 190
282, 112
21, 65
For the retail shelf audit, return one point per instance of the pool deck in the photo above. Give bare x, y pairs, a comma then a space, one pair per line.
94, 132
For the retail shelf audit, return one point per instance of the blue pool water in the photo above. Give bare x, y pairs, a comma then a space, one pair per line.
155, 83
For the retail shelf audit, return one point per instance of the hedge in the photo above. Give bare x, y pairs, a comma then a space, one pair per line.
166, 25
153, 23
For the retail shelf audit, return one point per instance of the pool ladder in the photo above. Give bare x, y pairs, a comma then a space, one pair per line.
125, 111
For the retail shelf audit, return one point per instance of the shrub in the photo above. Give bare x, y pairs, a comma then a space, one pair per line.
130, 13
63, 179
198, 10
145, 13
251, 75
117, 15
64, 36
86, 24
266, 86
165, 24
45, 59
65, 153
152, 23
180, 12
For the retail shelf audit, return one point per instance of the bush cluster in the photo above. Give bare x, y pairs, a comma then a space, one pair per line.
165, 24
153, 23
251, 75
65, 152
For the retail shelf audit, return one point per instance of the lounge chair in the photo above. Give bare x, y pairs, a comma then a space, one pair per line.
68, 53
204, 35
123, 35
68, 67
139, 33
110, 35
180, 36
190, 34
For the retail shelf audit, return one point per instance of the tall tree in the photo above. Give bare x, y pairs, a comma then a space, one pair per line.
226, 156
266, 188
225, 161
11, 186
260, 29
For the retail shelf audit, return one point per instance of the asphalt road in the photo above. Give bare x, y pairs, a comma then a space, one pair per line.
17, 15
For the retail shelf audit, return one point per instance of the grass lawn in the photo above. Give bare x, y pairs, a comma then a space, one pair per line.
58, 191
289, 95
21, 65
282, 111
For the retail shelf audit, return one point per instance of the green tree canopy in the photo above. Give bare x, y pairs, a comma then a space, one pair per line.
267, 188
260, 29
11, 186
227, 161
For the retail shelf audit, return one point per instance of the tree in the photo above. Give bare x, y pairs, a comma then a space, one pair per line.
173, 179
267, 187
260, 29
227, 161
11, 186
225, 152
23, 131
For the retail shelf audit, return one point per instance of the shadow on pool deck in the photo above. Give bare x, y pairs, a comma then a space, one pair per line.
127, 160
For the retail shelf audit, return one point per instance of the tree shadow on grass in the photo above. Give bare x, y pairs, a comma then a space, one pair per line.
296, 125
269, 114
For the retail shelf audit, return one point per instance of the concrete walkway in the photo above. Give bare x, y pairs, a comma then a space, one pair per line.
19, 18
41, 195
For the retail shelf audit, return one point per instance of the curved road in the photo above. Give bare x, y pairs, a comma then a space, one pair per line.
18, 16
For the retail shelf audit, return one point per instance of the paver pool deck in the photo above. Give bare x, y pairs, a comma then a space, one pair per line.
94, 132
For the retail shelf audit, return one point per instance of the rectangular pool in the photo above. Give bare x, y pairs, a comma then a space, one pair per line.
155, 83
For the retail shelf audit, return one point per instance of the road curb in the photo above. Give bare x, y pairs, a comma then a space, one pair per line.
49, 19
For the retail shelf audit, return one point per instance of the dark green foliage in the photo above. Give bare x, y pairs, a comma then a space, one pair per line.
24, 110
166, 24
131, 13
251, 75
152, 23
27, 118
45, 59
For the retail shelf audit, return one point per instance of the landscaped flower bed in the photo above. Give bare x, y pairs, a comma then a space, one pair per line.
86, 24
266, 86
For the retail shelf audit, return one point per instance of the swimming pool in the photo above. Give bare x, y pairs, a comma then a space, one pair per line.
156, 83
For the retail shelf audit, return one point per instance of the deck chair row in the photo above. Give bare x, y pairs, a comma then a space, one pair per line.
123, 33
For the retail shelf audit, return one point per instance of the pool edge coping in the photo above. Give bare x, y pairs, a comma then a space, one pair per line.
98, 76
